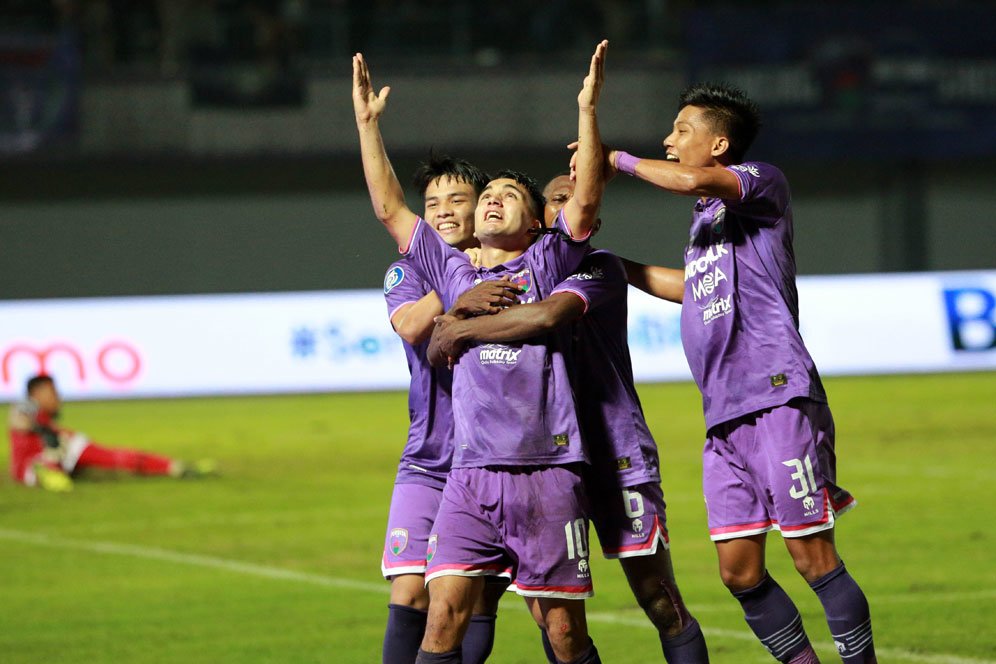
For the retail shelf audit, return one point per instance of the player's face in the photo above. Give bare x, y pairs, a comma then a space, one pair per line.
449, 208
504, 216
556, 192
47, 398
692, 140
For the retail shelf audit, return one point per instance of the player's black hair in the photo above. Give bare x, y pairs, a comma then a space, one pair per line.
37, 381
531, 186
730, 112
442, 165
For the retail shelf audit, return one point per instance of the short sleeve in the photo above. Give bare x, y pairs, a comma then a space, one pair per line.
403, 285
559, 254
764, 192
599, 279
445, 270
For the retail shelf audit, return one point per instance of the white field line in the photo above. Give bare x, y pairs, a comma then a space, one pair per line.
265, 571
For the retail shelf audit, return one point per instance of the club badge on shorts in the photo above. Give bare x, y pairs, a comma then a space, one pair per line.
430, 550
399, 540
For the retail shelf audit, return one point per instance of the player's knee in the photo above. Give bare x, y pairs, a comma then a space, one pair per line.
663, 613
739, 579
563, 628
813, 565
410, 591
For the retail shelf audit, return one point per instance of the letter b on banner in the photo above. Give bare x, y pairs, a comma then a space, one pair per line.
971, 318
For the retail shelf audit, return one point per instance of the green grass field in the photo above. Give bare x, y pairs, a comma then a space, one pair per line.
277, 559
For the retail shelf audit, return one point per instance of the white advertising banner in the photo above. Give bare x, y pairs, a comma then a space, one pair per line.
341, 340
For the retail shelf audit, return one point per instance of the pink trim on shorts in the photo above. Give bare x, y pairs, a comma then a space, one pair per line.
830, 513
468, 570
646, 548
562, 592
389, 569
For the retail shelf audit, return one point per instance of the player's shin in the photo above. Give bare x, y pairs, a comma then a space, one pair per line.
405, 629
775, 620
847, 615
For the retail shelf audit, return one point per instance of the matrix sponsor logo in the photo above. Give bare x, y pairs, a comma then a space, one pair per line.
117, 362
717, 307
971, 318
498, 354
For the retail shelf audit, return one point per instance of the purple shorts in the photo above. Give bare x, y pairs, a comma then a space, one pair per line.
413, 509
631, 520
773, 469
529, 522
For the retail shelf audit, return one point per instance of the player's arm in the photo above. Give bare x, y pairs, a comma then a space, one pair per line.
711, 181
666, 283
386, 194
413, 321
581, 211
451, 335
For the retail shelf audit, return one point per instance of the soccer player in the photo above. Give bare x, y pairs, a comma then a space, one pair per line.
623, 483
514, 493
449, 188
769, 460
44, 454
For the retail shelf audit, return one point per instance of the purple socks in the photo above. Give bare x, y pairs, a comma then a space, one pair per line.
774, 619
847, 615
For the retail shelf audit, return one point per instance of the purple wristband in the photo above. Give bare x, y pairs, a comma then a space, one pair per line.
626, 163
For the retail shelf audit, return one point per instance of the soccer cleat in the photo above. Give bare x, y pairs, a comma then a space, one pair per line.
199, 468
52, 479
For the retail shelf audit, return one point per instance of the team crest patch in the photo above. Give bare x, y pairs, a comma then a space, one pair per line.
393, 277
523, 280
430, 550
624, 463
399, 540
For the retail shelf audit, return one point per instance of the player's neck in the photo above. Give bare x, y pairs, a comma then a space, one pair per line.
492, 256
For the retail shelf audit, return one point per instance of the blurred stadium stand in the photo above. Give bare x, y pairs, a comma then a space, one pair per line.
187, 146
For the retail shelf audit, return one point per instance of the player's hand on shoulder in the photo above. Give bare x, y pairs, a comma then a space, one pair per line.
367, 104
474, 254
487, 297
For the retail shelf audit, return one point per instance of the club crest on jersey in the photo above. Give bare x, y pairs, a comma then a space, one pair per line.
523, 280
399, 540
430, 551
718, 224
393, 277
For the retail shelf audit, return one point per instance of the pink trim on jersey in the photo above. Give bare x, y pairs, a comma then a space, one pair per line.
411, 238
561, 217
567, 289
393, 311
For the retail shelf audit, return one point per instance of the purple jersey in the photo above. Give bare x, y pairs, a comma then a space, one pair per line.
429, 451
740, 315
512, 403
611, 416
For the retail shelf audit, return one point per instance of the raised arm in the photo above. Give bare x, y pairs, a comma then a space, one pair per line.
710, 181
664, 282
452, 335
581, 210
386, 195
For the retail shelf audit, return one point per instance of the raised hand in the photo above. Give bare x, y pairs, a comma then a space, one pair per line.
592, 85
367, 104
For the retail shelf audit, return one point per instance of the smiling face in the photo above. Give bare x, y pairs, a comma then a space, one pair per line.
449, 208
693, 141
505, 215
557, 192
